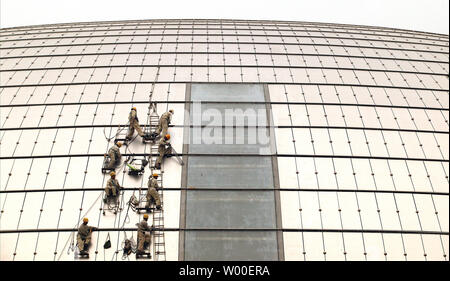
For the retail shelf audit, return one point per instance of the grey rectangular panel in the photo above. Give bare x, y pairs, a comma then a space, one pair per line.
230, 209
230, 171
229, 140
231, 245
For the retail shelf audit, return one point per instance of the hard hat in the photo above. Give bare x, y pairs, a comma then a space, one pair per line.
133, 108
155, 175
85, 220
171, 111
112, 173
119, 144
145, 216
167, 136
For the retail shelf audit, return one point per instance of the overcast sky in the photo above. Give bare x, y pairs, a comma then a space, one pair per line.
422, 15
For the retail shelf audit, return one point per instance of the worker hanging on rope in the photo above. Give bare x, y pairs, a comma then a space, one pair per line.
114, 156
163, 124
84, 236
164, 149
143, 235
112, 186
152, 192
133, 124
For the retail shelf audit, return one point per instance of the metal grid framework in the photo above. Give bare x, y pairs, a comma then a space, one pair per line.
360, 120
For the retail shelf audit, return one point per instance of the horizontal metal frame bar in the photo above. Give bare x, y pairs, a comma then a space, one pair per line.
226, 43
230, 155
223, 126
6, 231
233, 190
201, 82
270, 29
221, 65
214, 53
225, 22
226, 35
223, 102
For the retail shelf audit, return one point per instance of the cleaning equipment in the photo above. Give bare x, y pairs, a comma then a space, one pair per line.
128, 248
107, 244
174, 153
133, 203
138, 168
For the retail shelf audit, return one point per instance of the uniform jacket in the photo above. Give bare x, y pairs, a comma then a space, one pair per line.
164, 142
84, 230
167, 116
153, 183
113, 183
143, 226
132, 117
116, 150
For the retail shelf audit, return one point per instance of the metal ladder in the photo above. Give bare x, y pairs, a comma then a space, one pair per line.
158, 222
152, 123
121, 133
159, 249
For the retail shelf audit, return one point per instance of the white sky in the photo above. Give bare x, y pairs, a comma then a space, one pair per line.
422, 15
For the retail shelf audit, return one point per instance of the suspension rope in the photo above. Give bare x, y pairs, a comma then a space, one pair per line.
72, 236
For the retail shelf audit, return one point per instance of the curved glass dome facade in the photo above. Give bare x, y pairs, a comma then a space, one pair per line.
350, 159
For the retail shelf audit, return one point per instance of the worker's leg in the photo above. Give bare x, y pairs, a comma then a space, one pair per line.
148, 239
108, 191
155, 195
159, 128
130, 131
158, 161
141, 240
138, 129
112, 160
165, 127
80, 243
148, 197
118, 160
168, 151
161, 151
87, 241
114, 191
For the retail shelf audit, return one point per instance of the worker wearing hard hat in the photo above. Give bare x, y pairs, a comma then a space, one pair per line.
112, 186
133, 124
164, 150
114, 155
164, 122
84, 236
143, 235
152, 192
